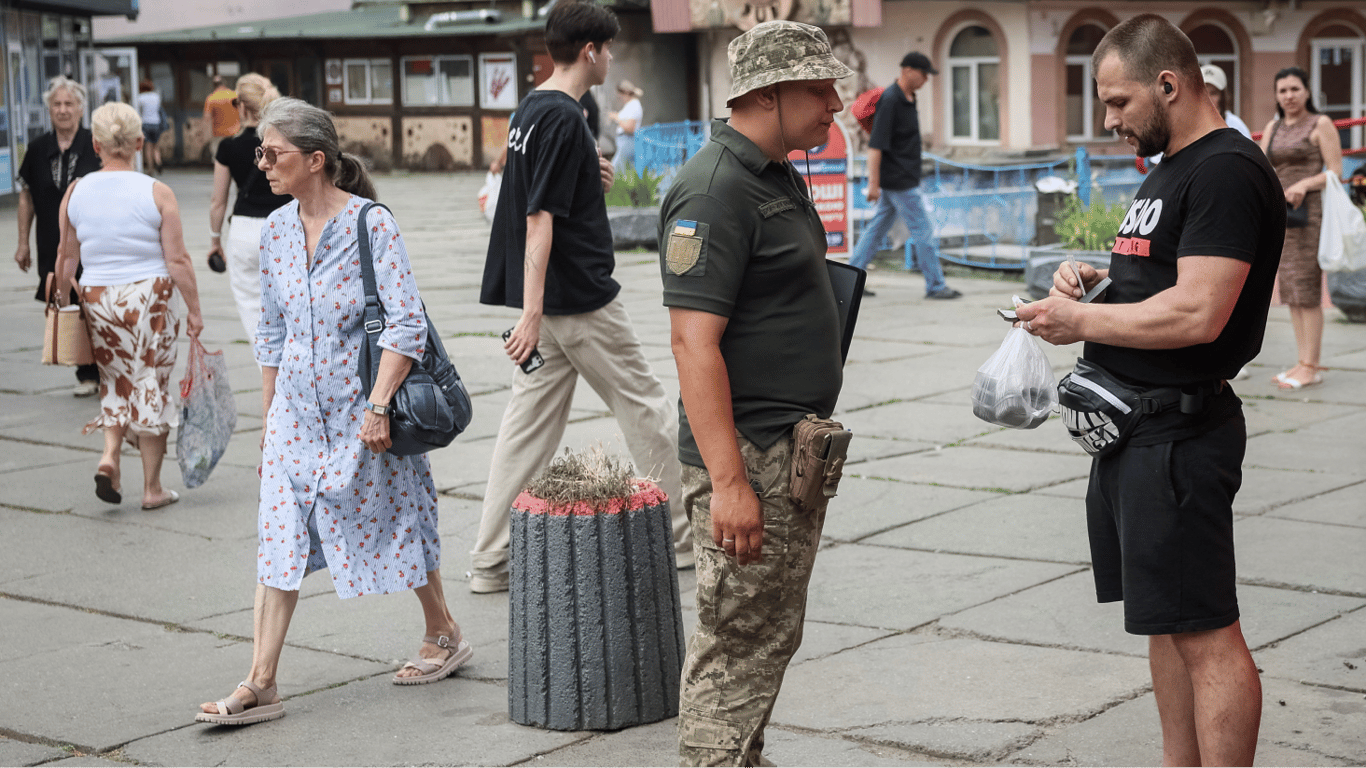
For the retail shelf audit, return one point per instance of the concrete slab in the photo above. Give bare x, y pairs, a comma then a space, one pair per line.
1331, 654
1275, 551
369, 722
1266, 489
978, 742
866, 506
1333, 446
928, 584
1341, 507
1065, 613
19, 456
1025, 526
915, 678
14, 752
984, 469
1129, 734
116, 656
920, 421
166, 577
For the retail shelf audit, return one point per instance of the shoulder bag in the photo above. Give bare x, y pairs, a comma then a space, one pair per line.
66, 338
431, 406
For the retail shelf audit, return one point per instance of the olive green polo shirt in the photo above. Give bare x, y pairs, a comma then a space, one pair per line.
740, 238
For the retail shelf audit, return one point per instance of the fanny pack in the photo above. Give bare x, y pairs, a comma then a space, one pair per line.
819, 447
1101, 412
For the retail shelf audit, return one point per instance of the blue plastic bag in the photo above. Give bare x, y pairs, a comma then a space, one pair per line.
208, 415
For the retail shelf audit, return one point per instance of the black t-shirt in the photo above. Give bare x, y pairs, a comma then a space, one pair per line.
552, 166
592, 114
1216, 197
896, 131
254, 197
740, 238
46, 172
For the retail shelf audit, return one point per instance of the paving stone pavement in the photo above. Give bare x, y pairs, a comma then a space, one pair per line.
952, 619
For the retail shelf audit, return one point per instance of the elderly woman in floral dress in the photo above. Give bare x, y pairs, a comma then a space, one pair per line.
331, 498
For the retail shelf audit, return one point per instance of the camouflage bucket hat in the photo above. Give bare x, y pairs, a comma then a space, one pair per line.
778, 51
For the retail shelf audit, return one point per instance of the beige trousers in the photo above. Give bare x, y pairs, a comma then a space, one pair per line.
602, 347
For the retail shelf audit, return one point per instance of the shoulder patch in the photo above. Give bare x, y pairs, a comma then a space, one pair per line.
774, 207
683, 252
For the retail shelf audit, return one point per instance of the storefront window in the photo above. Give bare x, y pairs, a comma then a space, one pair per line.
438, 81
369, 81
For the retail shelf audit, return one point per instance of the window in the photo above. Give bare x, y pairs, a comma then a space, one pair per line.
1338, 71
368, 81
1214, 45
438, 81
1085, 112
974, 76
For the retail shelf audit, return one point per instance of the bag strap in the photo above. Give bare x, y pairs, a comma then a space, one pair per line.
374, 311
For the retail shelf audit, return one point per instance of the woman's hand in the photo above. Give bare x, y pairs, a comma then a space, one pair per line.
374, 432
23, 258
1294, 194
194, 325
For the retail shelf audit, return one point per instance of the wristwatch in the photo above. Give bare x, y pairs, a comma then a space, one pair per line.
378, 410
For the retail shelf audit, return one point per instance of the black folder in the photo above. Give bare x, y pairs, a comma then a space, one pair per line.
848, 284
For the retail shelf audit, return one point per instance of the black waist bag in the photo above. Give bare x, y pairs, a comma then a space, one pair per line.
431, 406
1101, 412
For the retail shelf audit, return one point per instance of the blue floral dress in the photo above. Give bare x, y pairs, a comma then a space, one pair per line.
327, 501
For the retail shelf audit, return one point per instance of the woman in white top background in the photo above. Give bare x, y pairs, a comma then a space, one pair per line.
124, 229
627, 121
149, 107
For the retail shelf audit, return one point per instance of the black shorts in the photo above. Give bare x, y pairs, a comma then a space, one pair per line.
151, 133
1160, 518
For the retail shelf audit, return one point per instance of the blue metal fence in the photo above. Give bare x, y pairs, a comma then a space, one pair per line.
983, 215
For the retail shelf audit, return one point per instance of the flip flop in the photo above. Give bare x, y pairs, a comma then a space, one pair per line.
436, 669
104, 486
231, 711
166, 502
1286, 382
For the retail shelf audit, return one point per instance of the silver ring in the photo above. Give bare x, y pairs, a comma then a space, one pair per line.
727, 541
1028, 327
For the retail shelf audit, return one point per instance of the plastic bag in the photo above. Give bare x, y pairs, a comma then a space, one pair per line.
1015, 387
208, 415
488, 194
1342, 237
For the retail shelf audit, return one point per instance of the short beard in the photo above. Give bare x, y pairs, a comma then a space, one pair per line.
1154, 135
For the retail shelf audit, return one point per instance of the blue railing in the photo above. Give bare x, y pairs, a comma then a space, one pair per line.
983, 215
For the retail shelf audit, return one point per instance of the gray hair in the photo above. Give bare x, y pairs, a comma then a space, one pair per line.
60, 82
312, 130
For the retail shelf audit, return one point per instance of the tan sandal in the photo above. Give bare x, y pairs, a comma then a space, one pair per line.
231, 711
436, 669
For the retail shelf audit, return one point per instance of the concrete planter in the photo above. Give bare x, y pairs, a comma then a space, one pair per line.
1044, 261
595, 626
634, 228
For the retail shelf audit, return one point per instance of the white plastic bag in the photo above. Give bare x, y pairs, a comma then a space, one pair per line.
208, 415
1342, 238
1015, 387
488, 194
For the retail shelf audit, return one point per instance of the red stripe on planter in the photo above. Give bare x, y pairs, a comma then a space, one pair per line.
648, 495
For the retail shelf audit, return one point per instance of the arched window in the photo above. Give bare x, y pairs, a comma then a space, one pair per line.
975, 86
1214, 45
1338, 60
1085, 112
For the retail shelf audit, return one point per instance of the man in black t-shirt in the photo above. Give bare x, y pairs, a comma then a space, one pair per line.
894, 177
550, 255
1192, 267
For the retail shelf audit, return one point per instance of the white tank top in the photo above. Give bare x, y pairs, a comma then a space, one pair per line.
119, 228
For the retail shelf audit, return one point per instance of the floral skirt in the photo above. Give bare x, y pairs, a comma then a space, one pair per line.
133, 331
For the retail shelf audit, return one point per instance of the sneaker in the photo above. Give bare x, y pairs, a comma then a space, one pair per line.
86, 389
487, 581
943, 293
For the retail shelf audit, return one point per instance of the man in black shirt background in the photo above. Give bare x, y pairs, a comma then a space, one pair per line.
550, 255
1192, 268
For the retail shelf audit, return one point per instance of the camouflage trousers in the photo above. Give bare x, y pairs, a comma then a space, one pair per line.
749, 619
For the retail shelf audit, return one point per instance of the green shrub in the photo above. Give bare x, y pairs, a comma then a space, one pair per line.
1089, 228
634, 190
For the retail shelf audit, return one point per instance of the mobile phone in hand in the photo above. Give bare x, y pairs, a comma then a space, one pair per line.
533, 361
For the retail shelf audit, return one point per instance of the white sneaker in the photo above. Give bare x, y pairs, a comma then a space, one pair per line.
86, 389
485, 581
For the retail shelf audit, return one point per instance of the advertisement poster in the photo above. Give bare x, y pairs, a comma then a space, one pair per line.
826, 171
498, 81
6, 171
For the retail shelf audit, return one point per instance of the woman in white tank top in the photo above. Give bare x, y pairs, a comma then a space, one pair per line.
124, 229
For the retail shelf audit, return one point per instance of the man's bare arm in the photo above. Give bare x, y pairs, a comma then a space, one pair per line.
540, 231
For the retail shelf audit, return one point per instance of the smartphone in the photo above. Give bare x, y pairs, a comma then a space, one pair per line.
533, 361
1009, 315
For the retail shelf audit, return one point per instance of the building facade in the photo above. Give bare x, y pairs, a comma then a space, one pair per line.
43, 40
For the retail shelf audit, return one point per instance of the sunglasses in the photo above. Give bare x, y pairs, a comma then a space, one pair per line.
272, 154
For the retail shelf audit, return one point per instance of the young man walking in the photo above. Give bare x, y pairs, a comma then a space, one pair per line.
1192, 270
550, 255
755, 331
894, 177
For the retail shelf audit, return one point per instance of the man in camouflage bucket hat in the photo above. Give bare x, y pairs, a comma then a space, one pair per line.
756, 337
